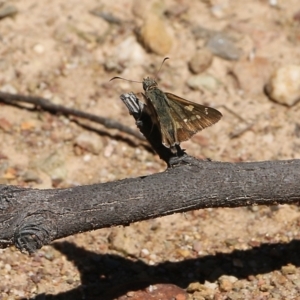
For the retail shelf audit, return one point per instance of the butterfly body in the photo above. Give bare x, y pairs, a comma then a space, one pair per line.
178, 119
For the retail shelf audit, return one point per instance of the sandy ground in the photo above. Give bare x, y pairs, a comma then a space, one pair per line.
61, 51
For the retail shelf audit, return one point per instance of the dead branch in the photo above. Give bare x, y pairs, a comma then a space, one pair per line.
31, 218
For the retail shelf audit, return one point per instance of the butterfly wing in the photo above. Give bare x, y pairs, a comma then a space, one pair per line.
190, 117
158, 109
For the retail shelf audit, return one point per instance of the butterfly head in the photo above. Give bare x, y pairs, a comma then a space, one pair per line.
149, 83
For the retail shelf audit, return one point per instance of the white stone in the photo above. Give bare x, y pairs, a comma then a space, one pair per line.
38, 48
90, 142
284, 85
130, 50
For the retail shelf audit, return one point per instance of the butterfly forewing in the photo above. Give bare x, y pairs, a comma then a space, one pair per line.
190, 117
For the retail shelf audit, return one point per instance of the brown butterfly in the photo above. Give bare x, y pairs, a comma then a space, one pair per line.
177, 119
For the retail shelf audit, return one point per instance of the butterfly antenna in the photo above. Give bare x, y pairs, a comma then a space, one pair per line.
117, 77
161, 66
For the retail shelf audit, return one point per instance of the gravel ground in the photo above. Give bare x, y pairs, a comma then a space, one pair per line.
67, 51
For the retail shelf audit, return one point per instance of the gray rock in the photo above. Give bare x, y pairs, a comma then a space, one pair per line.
7, 11
31, 176
221, 45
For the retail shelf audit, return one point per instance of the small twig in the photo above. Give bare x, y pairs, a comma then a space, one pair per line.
47, 105
108, 17
234, 113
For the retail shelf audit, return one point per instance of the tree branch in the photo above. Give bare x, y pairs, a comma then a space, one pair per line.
31, 218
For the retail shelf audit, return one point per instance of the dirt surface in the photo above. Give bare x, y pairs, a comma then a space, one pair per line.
61, 51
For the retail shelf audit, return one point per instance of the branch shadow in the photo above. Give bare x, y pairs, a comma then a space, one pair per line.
130, 140
120, 135
110, 276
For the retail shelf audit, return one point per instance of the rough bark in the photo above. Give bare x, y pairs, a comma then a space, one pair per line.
31, 218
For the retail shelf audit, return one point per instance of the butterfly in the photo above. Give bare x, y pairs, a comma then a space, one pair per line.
177, 119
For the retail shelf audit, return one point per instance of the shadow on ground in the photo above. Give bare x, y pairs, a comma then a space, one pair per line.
109, 276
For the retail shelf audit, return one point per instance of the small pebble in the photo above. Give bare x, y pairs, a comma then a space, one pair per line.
31, 176
195, 286
7, 11
278, 279
8, 88
145, 252
7, 267
164, 291
273, 2
87, 158
200, 290
203, 81
155, 33
201, 61
234, 296
226, 283
89, 141
231, 242
183, 252
197, 246
140, 8
35, 279
265, 287
128, 51
110, 148
211, 285
284, 85
38, 48
219, 11
289, 269
70, 280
